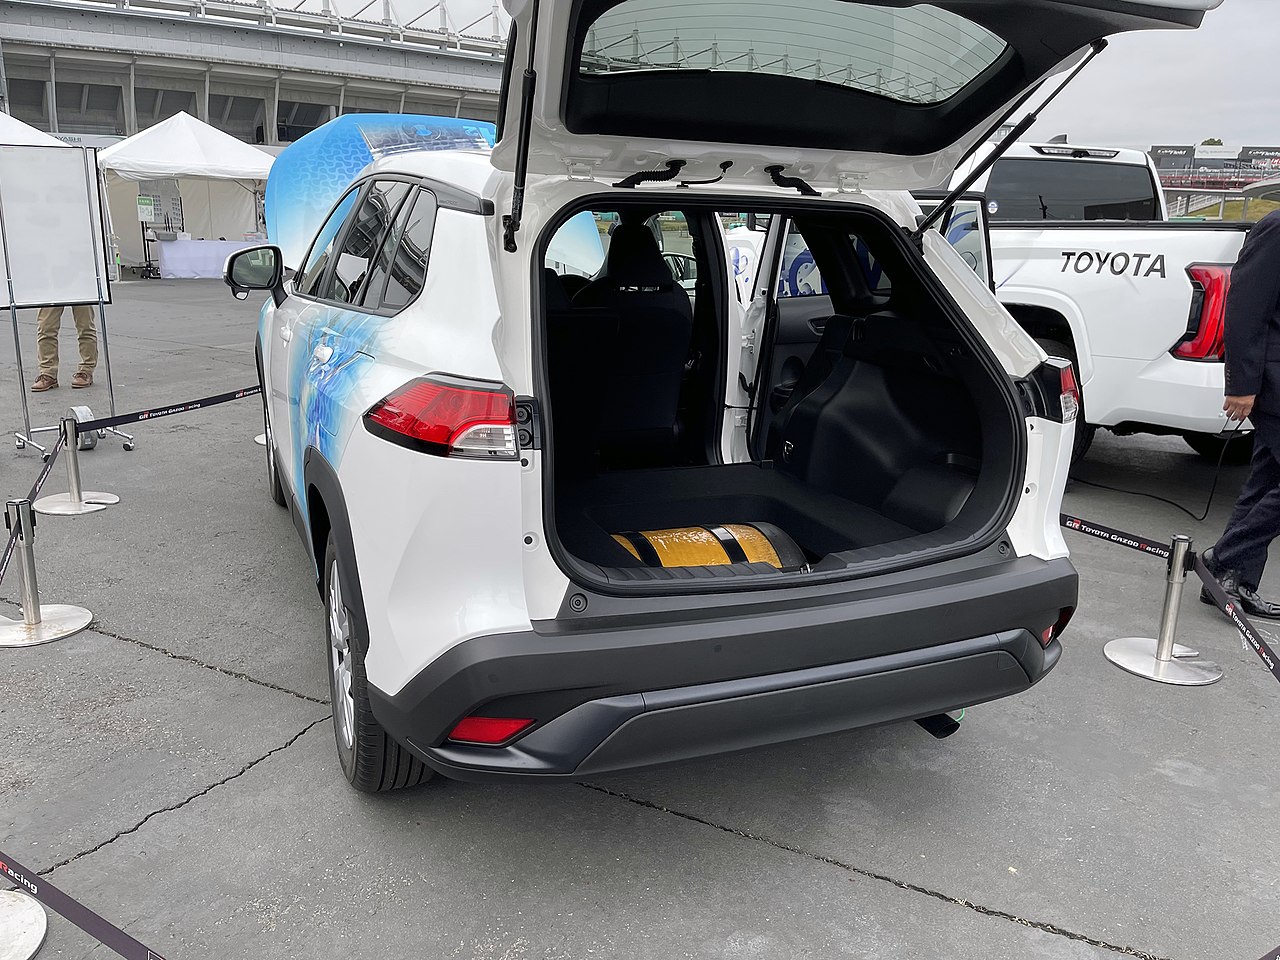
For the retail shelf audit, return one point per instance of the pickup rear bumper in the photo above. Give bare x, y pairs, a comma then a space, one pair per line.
1175, 395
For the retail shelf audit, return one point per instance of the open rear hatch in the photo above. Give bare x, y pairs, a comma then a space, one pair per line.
903, 440
841, 93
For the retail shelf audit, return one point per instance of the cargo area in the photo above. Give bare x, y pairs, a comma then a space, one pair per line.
879, 429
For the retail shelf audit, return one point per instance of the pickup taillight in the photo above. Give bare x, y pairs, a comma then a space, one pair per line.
1203, 340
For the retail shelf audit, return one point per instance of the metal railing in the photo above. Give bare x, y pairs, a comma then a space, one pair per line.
483, 37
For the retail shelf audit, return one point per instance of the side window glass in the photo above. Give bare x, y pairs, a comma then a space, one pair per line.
799, 276
874, 273
402, 202
408, 267
369, 223
322, 247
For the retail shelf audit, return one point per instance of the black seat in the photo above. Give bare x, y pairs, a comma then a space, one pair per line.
580, 344
655, 328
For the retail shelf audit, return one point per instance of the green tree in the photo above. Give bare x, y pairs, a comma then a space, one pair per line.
1211, 142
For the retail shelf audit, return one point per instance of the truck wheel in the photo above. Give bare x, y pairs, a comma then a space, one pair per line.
1239, 450
371, 760
1084, 431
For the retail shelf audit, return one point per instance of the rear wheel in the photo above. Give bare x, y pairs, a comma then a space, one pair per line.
1084, 431
371, 760
1239, 450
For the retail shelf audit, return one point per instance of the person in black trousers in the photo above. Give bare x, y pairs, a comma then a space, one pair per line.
1253, 390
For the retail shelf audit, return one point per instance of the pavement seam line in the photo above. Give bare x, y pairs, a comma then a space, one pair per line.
182, 803
1040, 925
96, 627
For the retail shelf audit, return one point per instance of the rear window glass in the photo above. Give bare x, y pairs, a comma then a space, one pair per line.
799, 276
1070, 190
918, 54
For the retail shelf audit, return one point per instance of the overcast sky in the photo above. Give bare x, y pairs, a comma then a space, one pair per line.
1179, 87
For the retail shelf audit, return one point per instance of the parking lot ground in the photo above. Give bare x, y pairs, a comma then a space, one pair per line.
172, 767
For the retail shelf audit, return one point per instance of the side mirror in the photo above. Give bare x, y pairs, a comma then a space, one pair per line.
256, 268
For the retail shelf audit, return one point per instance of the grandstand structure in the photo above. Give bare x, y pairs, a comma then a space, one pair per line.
265, 72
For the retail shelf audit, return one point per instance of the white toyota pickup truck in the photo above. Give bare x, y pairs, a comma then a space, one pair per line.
1086, 260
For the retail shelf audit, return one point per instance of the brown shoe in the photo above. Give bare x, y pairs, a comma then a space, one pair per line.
83, 378
44, 382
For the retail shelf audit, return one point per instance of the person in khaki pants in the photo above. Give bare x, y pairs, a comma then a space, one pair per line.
47, 323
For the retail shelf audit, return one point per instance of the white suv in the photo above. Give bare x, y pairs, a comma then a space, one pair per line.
568, 524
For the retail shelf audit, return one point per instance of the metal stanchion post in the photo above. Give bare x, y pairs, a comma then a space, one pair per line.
40, 623
1160, 659
76, 500
23, 925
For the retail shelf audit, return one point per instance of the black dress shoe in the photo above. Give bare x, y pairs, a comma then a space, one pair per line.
1211, 564
1254, 605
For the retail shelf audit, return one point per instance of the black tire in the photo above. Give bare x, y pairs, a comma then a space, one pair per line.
1239, 450
1084, 431
371, 760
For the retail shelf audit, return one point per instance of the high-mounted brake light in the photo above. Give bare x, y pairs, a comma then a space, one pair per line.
489, 731
1203, 340
449, 418
1078, 153
1070, 397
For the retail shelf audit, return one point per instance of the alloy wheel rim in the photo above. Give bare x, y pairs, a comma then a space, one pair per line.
344, 704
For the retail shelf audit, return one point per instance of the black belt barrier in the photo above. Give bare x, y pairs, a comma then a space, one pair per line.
1110, 534
1232, 609
1224, 603
156, 412
36, 487
105, 933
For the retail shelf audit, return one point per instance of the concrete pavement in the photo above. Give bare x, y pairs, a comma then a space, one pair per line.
173, 770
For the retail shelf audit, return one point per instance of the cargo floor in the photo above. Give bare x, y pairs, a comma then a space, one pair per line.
590, 511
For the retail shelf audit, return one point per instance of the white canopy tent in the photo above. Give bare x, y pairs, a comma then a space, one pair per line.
14, 132
219, 179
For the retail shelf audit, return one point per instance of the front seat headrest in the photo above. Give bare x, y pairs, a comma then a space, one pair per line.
634, 259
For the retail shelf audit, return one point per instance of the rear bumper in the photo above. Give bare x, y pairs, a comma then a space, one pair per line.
1167, 392
610, 699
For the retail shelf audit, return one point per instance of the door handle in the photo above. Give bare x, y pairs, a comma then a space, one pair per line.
286, 334
322, 352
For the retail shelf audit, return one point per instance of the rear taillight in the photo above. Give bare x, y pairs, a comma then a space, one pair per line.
449, 418
1070, 397
1210, 283
1053, 391
489, 731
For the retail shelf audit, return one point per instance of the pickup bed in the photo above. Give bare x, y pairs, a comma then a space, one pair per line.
1085, 259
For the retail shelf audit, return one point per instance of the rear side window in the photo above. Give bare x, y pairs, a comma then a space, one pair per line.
368, 226
799, 276
1070, 190
407, 265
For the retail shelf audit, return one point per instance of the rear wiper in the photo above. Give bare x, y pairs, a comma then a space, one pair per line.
1001, 148
653, 176
790, 183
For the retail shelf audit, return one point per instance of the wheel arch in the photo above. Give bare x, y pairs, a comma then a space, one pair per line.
326, 513
1052, 317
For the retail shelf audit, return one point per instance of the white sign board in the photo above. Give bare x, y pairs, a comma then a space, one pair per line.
51, 227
